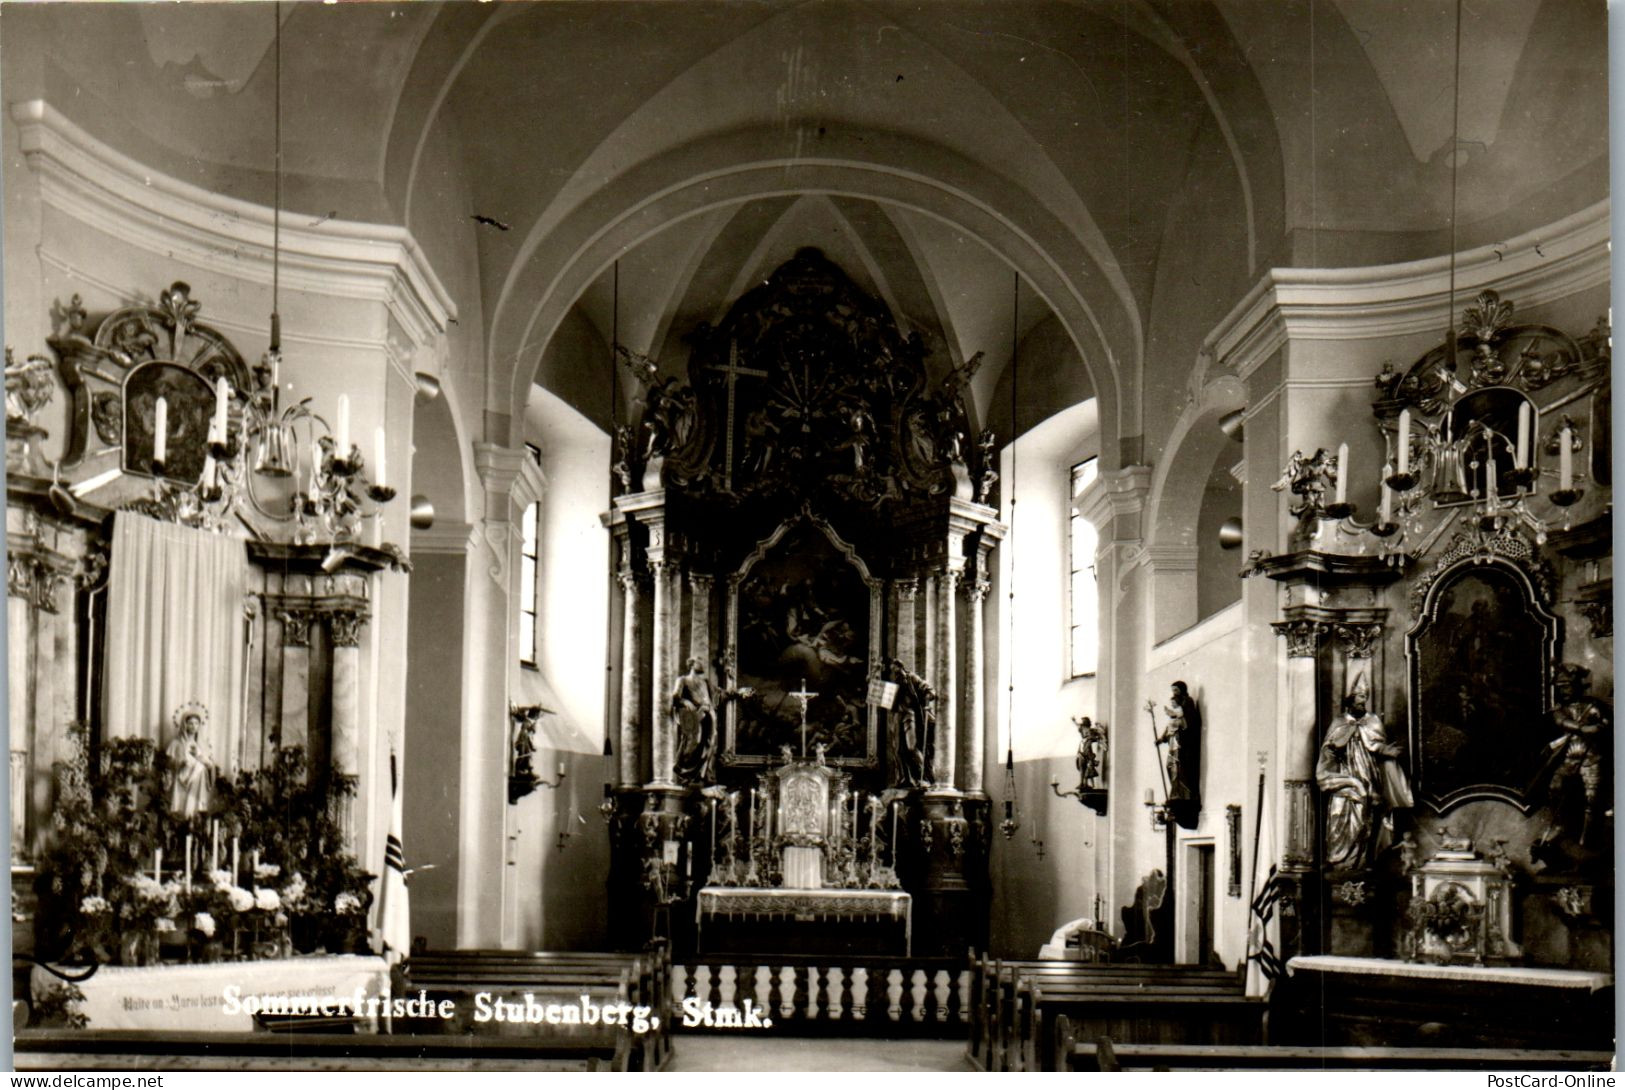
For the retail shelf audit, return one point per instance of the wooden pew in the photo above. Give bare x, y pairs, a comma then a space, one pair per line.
169, 1050
1170, 1016
1013, 1025
1105, 1054
563, 978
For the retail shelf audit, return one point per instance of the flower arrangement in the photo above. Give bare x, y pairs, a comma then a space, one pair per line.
100, 897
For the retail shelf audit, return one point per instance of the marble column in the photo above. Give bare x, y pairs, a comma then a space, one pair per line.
908, 593
629, 677
345, 627
665, 743
947, 667
699, 622
295, 730
975, 742
19, 668
1297, 747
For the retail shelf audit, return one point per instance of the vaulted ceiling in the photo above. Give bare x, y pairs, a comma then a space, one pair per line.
931, 149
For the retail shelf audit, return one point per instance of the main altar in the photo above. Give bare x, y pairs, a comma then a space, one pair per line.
804, 530
815, 875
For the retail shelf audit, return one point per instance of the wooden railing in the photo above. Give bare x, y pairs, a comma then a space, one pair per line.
922, 997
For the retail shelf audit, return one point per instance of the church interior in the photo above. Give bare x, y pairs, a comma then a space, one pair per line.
1077, 528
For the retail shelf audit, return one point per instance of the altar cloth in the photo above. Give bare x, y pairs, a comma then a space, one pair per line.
1499, 974
723, 902
194, 997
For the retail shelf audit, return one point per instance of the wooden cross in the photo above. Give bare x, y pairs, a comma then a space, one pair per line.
803, 695
733, 371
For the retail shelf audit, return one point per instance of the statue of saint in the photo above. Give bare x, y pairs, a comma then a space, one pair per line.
914, 719
1183, 737
1572, 773
191, 774
696, 725
1091, 760
1361, 778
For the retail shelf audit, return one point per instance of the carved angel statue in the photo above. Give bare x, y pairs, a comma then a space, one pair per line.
1309, 478
644, 371
1571, 778
28, 388
958, 378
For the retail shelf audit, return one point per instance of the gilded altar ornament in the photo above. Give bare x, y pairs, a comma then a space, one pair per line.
1361, 778
1309, 479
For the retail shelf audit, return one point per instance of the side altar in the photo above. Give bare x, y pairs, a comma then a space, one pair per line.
803, 527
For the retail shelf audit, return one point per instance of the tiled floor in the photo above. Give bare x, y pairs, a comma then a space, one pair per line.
715, 1052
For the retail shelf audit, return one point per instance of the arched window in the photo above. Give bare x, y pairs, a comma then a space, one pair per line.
1083, 603
529, 552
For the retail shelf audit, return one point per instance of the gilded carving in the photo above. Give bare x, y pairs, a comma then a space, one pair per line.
1302, 637
1359, 640
346, 627
295, 626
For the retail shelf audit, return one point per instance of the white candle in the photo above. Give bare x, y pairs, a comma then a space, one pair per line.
160, 430
894, 835
750, 819
378, 455
1404, 440
1490, 489
234, 859
221, 395
158, 865
1521, 456
343, 438
1565, 459
1385, 508
214, 845
1342, 472
186, 873
208, 471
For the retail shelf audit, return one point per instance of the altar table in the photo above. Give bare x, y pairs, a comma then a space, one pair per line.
798, 908
193, 997
1340, 1001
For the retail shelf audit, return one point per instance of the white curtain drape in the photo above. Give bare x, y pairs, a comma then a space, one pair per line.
175, 629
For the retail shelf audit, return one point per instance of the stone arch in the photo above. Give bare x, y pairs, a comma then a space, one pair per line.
1175, 502
557, 265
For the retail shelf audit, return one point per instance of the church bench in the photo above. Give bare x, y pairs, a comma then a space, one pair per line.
985, 993
1166, 1018
168, 1050
994, 1033
1105, 1054
564, 979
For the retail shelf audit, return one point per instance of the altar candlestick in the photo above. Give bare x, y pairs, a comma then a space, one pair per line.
343, 437
160, 430
1404, 440
221, 397
157, 864
750, 819
186, 873
894, 834
254, 863
1342, 472
1490, 490
1565, 459
378, 456
214, 845
234, 861
1521, 457
1385, 509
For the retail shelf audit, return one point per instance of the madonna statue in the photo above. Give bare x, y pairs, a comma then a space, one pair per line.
191, 775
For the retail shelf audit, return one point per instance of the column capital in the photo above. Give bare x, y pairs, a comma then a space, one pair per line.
1302, 636
295, 625
1114, 501
345, 625
498, 467
1358, 639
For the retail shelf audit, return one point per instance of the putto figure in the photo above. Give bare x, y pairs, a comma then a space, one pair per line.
1363, 782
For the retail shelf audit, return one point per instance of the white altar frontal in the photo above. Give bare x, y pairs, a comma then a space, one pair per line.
214, 996
809, 873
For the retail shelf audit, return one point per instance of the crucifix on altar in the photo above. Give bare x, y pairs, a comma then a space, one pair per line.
733, 371
803, 695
